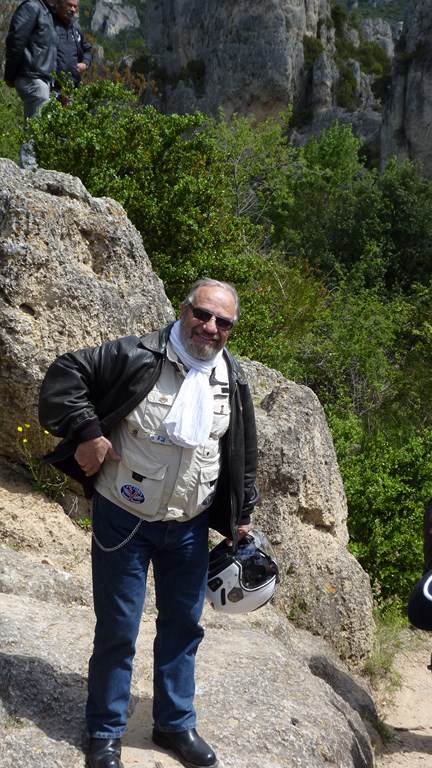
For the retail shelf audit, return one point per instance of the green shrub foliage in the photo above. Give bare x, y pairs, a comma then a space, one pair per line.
11, 122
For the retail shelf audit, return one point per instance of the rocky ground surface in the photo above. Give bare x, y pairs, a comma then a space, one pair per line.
27, 525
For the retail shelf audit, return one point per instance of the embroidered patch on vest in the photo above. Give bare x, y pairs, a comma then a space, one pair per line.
132, 493
208, 499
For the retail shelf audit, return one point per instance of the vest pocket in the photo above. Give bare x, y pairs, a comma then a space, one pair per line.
139, 483
207, 486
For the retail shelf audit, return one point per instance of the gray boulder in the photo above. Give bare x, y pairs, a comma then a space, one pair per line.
73, 273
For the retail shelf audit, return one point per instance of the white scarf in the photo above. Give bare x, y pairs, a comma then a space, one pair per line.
191, 416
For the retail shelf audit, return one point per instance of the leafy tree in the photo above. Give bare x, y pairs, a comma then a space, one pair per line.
350, 355
338, 211
280, 303
163, 169
261, 164
387, 484
333, 219
199, 192
411, 407
407, 198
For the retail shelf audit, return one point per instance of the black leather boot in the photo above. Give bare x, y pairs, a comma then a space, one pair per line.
191, 749
104, 753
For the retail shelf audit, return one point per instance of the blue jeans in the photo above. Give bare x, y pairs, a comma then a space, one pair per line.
179, 553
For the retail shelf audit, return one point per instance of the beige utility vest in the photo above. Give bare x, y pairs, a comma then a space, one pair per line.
156, 479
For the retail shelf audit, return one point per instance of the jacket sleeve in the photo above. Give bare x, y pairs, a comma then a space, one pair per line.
21, 27
251, 456
86, 52
75, 386
236, 492
427, 538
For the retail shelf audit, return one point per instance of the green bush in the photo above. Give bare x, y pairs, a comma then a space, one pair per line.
162, 169
346, 86
373, 58
312, 47
11, 121
387, 486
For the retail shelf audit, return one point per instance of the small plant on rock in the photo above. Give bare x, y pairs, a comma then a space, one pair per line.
33, 444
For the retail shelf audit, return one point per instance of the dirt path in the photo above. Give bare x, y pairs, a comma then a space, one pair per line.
409, 716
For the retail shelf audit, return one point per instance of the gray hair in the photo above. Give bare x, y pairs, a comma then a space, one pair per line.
216, 284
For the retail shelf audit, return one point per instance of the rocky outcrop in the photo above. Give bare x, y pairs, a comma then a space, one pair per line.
267, 693
73, 273
246, 58
260, 58
408, 111
303, 507
112, 17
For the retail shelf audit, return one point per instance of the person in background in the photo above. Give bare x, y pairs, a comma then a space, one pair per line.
31, 58
43, 38
161, 429
74, 52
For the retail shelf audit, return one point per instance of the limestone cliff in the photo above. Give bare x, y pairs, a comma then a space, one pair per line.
256, 58
112, 17
408, 112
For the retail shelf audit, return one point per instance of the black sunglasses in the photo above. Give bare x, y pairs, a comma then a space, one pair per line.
205, 316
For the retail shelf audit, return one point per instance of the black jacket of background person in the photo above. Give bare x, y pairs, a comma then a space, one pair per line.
72, 48
31, 43
86, 393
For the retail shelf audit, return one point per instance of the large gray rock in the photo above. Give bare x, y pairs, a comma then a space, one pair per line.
112, 17
303, 507
73, 273
379, 31
408, 111
257, 58
246, 57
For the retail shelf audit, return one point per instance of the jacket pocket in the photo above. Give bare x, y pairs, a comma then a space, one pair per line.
207, 486
139, 483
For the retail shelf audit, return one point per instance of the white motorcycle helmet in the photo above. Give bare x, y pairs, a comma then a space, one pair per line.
242, 580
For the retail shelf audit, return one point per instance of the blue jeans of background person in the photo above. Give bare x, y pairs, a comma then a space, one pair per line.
179, 553
33, 93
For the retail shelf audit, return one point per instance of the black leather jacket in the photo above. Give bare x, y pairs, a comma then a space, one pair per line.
72, 48
31, 43
85, 393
